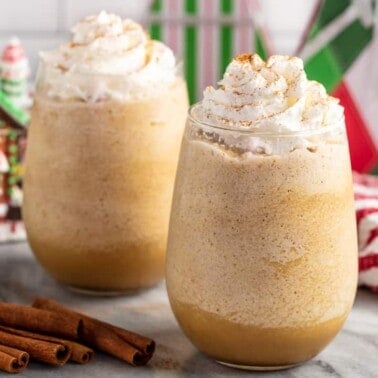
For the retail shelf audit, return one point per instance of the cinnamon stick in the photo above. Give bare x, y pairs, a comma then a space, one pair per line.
145, 344
37, 320
13, 360
80, 354
43, 351
126, 345
107, 341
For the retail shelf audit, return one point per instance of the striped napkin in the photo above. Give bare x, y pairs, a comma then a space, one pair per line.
366, 203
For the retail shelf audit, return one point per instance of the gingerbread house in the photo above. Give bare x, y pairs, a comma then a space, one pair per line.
15, 102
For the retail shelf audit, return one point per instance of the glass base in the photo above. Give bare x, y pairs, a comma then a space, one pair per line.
257, 368
105, 293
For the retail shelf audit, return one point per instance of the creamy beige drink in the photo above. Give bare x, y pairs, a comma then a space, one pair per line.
102, 154
262, 251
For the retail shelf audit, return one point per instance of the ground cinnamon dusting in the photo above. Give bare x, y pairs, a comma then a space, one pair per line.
244, 58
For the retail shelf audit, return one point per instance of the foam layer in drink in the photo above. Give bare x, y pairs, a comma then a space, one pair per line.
98, 187
265, 241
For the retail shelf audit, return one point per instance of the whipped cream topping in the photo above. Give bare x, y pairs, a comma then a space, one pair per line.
107, 58
271, 96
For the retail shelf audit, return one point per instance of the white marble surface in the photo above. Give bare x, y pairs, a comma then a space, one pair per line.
354, 352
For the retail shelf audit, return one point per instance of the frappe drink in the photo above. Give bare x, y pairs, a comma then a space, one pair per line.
262, 250
103, 147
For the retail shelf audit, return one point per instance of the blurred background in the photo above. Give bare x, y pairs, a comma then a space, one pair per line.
335, 38
43, 24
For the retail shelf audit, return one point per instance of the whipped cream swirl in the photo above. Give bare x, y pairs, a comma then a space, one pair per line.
107, 58
272, 96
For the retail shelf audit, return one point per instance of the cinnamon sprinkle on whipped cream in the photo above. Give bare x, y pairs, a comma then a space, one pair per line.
271, 96
107, 58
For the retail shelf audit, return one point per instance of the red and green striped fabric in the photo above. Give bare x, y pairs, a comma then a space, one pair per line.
191, 50
225, 37
339, 35
329, 64
205, 35
155, 27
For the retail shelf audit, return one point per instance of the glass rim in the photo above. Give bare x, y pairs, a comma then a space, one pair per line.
286, 134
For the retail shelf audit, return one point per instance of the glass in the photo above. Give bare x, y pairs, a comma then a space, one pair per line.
262, 249
98, 184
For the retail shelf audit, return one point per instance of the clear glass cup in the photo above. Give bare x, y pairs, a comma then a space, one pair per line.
262, 249
98, 184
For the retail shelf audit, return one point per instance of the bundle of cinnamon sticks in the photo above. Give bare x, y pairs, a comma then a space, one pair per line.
51, 333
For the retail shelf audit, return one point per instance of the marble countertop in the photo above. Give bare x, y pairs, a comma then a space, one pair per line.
354, 352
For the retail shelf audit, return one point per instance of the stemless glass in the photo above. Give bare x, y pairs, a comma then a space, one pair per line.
262, 251
99, 182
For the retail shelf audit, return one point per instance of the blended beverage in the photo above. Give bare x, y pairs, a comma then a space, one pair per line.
102, 154
262, 250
